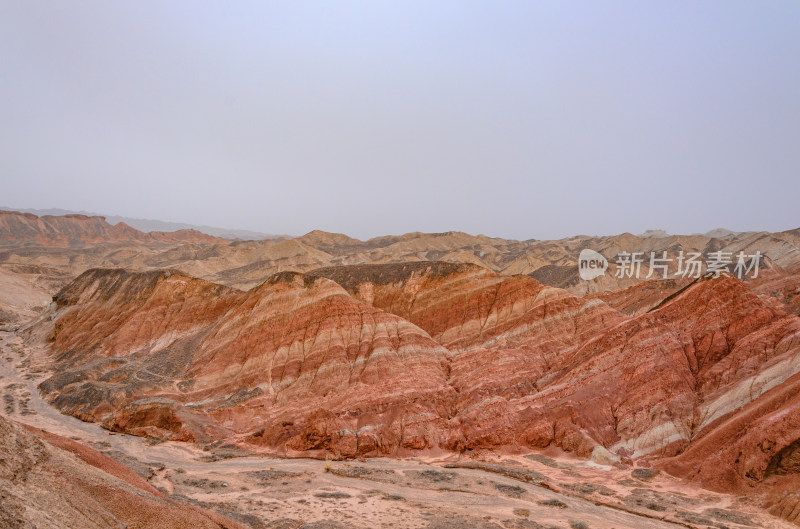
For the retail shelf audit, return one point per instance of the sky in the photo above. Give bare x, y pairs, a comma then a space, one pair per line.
512, 119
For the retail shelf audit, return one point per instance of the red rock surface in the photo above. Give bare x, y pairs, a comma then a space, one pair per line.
75, 243
49, 482
780, 287
71, 230
166, 355
642, 296
464, 306
531, 364
652, 384
701, 381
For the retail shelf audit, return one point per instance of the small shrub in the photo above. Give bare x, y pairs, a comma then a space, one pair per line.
645, 474
554, 503
332, 495
510, 490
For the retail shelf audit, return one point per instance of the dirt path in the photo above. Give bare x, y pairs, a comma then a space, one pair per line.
267, 492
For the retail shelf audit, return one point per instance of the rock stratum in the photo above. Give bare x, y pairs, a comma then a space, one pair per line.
434, 357
164, 354
420, 344
76, 243
49, 482
82, 230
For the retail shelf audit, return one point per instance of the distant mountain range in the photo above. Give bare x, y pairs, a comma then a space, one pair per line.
148, 225
717, 232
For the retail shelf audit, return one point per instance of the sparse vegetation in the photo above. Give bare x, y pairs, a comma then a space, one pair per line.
510, 490
431, 475
527, 476
645, 474
589, 488
332, 495
554, 503
360, 472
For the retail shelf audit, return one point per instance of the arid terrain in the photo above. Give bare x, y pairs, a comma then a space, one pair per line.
175, 379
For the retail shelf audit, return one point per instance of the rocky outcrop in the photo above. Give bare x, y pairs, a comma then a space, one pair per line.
77, 242
465, 306
50, 482
432, 342
222, 362
301, 365
643, 296
81, 230
699, 378
26, 290
780, 287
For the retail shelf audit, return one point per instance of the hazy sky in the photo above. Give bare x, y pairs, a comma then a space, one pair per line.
514, 119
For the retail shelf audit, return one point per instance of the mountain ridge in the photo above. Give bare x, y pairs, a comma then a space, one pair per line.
151, 225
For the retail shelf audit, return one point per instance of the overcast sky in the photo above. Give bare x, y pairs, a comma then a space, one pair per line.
513, 119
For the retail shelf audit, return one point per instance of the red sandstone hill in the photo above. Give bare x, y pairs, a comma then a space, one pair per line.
75, 243
464, 306
695, 381
164, 354
542, 349
80, 230
642, 296
652, 385
388, 357
49, 482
